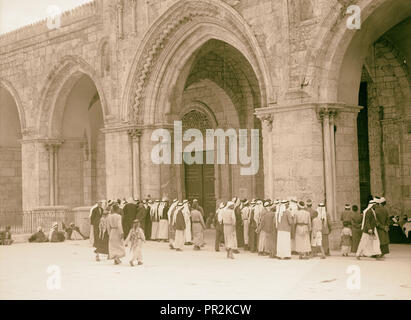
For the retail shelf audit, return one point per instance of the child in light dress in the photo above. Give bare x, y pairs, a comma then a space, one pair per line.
135, 239
346, 238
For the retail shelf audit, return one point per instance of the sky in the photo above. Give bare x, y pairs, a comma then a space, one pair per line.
18, 13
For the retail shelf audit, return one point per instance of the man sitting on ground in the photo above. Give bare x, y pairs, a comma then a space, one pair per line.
5, 237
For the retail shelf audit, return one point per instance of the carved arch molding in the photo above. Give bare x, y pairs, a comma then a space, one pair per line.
182, 14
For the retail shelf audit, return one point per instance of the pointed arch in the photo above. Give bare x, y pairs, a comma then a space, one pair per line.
188, 23
13, 92
59, 83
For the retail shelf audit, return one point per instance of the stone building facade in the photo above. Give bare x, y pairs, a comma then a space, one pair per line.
80, 102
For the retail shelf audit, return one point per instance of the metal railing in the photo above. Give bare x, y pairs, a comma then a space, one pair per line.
28, 221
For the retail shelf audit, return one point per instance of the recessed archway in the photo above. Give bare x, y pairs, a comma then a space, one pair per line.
371, 63
10, 152
199, 52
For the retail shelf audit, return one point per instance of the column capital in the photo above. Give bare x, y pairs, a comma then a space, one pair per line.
135, 133
266, 117
53, 143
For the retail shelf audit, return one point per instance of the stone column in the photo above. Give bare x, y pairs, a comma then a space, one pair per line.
52, 147
135, 135
118, 161
168, 172
86, 173
328, 166
333, 114
35, 173
134, 15
120, 9
267, 125
150, 172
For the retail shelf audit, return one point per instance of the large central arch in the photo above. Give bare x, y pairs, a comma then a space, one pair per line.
171, 42
192, 32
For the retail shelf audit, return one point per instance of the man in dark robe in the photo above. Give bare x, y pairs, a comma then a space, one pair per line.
252, 230
180, 226
369, 243
39, 236
147, 230
383, 225
95, 221
141, 215
129, 215
239, 229
266, 230
356, 221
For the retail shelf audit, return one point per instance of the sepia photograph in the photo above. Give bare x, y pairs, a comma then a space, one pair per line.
222, 152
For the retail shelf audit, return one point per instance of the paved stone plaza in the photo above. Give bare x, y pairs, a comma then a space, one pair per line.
206, 274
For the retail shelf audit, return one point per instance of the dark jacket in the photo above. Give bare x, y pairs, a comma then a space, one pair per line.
180, 221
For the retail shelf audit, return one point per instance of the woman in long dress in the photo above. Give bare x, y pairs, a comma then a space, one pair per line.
115, 232
198, 228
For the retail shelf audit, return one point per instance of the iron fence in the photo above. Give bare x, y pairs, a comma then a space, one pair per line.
28, 221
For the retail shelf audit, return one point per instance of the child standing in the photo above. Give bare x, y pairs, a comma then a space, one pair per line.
346, 238
317, 236
135, 239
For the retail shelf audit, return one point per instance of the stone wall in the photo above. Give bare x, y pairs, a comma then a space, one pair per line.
70, 174
10, 179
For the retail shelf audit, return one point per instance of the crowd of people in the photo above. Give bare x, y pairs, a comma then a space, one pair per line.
277, 229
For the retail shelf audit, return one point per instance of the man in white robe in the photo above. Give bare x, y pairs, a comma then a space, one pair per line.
293, 208
187, 218
245, 215
155, 219
171, 230
284, 223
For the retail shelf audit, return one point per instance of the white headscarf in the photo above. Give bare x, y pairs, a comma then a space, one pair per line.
170, 210
293, 207
161, 207
322, 213
186, 210
280, 213
178, 209
259, 207
154, 209
370, 205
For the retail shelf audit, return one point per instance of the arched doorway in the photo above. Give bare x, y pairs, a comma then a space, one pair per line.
217, 90
199, 178
79, 164
10, 154
198, 53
